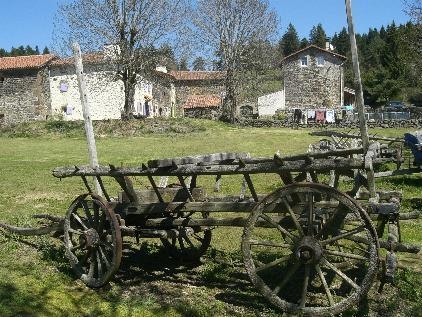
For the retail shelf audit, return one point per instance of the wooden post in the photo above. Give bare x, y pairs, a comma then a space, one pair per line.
89, 130
358, 82
359, 97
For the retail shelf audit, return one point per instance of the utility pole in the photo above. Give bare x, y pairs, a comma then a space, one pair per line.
89, 130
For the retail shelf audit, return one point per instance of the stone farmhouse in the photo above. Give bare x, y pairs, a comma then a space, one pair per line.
45, 86
199, 93
24, 88
314, 78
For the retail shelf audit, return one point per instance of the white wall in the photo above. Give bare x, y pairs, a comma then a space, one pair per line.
268, 104
105, 93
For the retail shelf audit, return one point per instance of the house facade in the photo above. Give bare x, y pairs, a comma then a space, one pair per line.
313, 78
106, 92
24, 88
200, 90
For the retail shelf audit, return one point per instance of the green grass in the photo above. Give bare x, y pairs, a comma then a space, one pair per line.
35, 278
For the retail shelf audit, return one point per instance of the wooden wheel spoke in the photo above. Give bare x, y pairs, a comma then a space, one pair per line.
286, 278
97, 210
294, 218
92, 266
324, 283
271, 264
104, 257
79, 220
345, 255
334, 221
268, 243
305, 286
310, 198
74, 231
278, 227
343, 235
102, 219
190, 243
340, 273
85, 258
99, 263
85, 207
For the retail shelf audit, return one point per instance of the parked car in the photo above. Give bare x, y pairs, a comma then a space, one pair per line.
395, 106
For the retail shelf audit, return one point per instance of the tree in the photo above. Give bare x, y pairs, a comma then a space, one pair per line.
413, 8
229, 27
46, 50
183, 65
290, 41
318, 36
198, 64
341, 42
303, 43
134, 28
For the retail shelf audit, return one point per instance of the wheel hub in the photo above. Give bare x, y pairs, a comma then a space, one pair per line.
89, 239
308, 250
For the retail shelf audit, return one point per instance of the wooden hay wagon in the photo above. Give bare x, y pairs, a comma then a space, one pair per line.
307, 247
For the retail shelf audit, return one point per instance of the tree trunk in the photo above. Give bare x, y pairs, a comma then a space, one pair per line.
229, 105
129, 81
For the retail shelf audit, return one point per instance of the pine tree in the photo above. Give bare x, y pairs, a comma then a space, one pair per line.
46, 50
318, 36
289, 42
198, 64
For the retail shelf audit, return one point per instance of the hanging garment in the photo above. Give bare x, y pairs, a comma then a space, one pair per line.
320, 116
69, 110
311, 115
329, 116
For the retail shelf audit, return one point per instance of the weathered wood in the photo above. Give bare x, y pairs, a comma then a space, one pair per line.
127, 186
354, 136
209, 207
197, 159
167, 194
320, 165
357, 79
89, 130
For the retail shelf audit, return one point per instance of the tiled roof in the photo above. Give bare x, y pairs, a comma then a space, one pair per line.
202, 101
197, 75
314, 47
25, 62
91, 58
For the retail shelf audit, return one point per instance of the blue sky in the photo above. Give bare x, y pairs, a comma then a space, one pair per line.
30, 22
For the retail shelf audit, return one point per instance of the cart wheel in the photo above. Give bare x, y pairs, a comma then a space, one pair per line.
188, 243
92, 240
310, 250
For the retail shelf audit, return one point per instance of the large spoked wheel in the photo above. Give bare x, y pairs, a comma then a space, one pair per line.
310, 250
188, 243
92, 239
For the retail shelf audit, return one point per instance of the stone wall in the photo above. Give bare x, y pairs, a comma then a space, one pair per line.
313, 86
195, 87
24, 96
212, 113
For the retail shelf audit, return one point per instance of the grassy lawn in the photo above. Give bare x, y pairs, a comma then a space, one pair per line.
35, 277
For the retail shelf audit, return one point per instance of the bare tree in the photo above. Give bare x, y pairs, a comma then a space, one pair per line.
134, 28
230, 28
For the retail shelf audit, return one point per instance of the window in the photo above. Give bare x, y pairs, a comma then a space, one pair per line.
320, 60
1, 80
304, 61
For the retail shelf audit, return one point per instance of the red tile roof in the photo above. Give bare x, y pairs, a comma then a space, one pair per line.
25, 62
197, 75
202, 101
92, 58
314, 47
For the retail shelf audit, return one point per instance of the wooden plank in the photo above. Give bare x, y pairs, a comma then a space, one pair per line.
338, 164
207, 158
